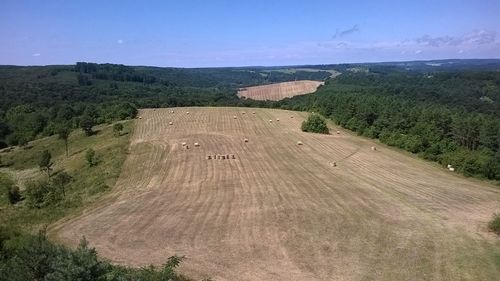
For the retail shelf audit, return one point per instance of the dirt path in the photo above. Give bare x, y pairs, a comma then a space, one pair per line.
280, 211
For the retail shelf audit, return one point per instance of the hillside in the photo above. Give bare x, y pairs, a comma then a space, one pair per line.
332, 206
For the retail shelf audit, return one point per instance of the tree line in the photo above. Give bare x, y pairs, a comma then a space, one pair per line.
451, 118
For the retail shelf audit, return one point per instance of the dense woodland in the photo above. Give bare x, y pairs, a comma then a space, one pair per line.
39, 101
449, 117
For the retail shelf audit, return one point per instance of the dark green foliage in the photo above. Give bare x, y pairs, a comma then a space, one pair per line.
45, 162
61, 180
494, 224
9, 190
315, 123
41, 193
117, 129
442, 117
63, 134
86, 123
34, 257
91, 157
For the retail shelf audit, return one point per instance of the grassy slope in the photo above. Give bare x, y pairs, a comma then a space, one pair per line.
88, 183
282, 209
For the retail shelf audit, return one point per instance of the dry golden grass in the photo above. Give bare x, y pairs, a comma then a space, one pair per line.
279, 91
280, 211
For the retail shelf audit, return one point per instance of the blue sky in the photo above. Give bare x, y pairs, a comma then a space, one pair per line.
238, 33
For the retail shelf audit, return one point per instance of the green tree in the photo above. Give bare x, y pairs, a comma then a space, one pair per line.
45, 162
86, 124
41, 193
61, 180
10, 190
117, 129
315, 124
63, 134
91, 158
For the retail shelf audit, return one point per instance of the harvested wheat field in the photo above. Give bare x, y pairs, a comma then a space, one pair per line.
330, 209
279, 91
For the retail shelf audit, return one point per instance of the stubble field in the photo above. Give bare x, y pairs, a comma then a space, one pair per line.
282, 211
279, 91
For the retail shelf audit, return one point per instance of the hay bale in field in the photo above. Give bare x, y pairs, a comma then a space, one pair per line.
171, 111
140, 117
243, 113
299, 143
232, 156
338, 132
234, 117
374, 148
245, 140
449, 166
291, 117
170, 123
187, 112
196, 144
183, 144
277, 119
223, 157
209, 157
270, 121
253, 112
333, 164
451, 169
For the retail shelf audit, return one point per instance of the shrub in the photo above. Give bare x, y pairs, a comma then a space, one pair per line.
10, 190
494, 224
117, 129
41, 193
91, 157
315, 124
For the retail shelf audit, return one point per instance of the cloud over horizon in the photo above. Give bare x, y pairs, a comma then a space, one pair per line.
342, 33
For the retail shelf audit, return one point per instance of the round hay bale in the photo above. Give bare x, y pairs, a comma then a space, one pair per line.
170, 123
449, 166
171, 111
374, 148
245, 140
196, 144
253, 112
270, 121
140, 117
184, 144
277, 119
187, 112
299, 143
338, 132
451, 169
234, 117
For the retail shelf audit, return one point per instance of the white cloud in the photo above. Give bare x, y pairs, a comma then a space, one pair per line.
36, 54
119, 41
418, 52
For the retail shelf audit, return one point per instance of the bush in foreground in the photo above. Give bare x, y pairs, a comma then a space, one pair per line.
315, 124
34, 257
494, 224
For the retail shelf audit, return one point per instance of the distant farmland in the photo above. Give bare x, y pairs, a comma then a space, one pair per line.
333, 208
279, 91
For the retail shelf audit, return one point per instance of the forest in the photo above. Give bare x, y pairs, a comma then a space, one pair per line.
449, 117
40, 101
